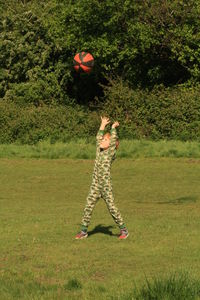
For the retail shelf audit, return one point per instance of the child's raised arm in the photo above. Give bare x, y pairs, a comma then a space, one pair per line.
104, 122
115, 124
113, 138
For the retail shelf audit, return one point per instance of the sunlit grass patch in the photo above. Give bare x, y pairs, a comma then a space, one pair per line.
84, 149
42, 202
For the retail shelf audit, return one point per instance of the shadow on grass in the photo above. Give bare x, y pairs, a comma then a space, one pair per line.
180, 200
102, 229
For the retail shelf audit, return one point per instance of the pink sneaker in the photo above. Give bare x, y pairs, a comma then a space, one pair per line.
81, 235
123, 234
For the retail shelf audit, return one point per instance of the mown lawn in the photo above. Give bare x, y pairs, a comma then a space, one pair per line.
41, 204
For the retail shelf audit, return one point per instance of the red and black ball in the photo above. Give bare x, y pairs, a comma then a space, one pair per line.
83, 62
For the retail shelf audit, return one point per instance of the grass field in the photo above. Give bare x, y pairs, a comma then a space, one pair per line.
41, 204
85, 149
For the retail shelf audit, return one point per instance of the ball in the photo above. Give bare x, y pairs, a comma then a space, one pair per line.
83, 61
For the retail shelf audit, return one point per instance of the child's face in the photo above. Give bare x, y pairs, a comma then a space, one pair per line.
105, 142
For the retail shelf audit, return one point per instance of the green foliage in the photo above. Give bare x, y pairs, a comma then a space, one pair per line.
145, 43
161, 113
158, 114
31, 124
30, 65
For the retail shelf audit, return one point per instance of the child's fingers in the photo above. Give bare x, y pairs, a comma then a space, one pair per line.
116, 123
105, 120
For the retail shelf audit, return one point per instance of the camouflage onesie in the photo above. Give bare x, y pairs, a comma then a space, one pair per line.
101, 186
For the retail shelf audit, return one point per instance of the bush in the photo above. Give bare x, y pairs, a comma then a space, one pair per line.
170, 113
29, 125
163, 113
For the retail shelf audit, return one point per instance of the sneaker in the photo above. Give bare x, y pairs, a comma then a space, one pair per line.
81, 235
123, 234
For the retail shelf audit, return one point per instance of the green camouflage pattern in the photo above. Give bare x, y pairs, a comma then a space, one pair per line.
101, 186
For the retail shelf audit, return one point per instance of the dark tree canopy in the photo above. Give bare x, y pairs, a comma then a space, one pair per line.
146, 42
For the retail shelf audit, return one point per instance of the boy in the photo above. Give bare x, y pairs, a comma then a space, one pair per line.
101, 181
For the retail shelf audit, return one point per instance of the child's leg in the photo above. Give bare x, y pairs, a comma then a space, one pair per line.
92, 198
107, 195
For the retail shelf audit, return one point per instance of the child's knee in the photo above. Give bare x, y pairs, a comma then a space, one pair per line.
108, 197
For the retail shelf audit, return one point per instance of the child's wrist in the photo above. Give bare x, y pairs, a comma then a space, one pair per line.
102, 127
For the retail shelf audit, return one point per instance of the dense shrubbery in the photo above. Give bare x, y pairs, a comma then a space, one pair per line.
150, 46
161, 113
172, 113
30, 124
144, 42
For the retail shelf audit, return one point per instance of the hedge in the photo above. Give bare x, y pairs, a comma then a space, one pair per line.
162, 113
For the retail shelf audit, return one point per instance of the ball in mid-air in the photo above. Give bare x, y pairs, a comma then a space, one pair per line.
83, 61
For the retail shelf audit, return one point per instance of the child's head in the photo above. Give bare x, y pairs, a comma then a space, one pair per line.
105, 143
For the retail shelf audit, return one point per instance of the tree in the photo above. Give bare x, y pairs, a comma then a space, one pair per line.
31, 70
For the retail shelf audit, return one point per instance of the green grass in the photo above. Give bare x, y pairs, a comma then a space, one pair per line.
175, 287
82, 149
41, 204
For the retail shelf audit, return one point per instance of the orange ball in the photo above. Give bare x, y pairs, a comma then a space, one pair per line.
83, 61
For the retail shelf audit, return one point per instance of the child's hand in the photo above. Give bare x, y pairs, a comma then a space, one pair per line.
115, 124
105, 121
